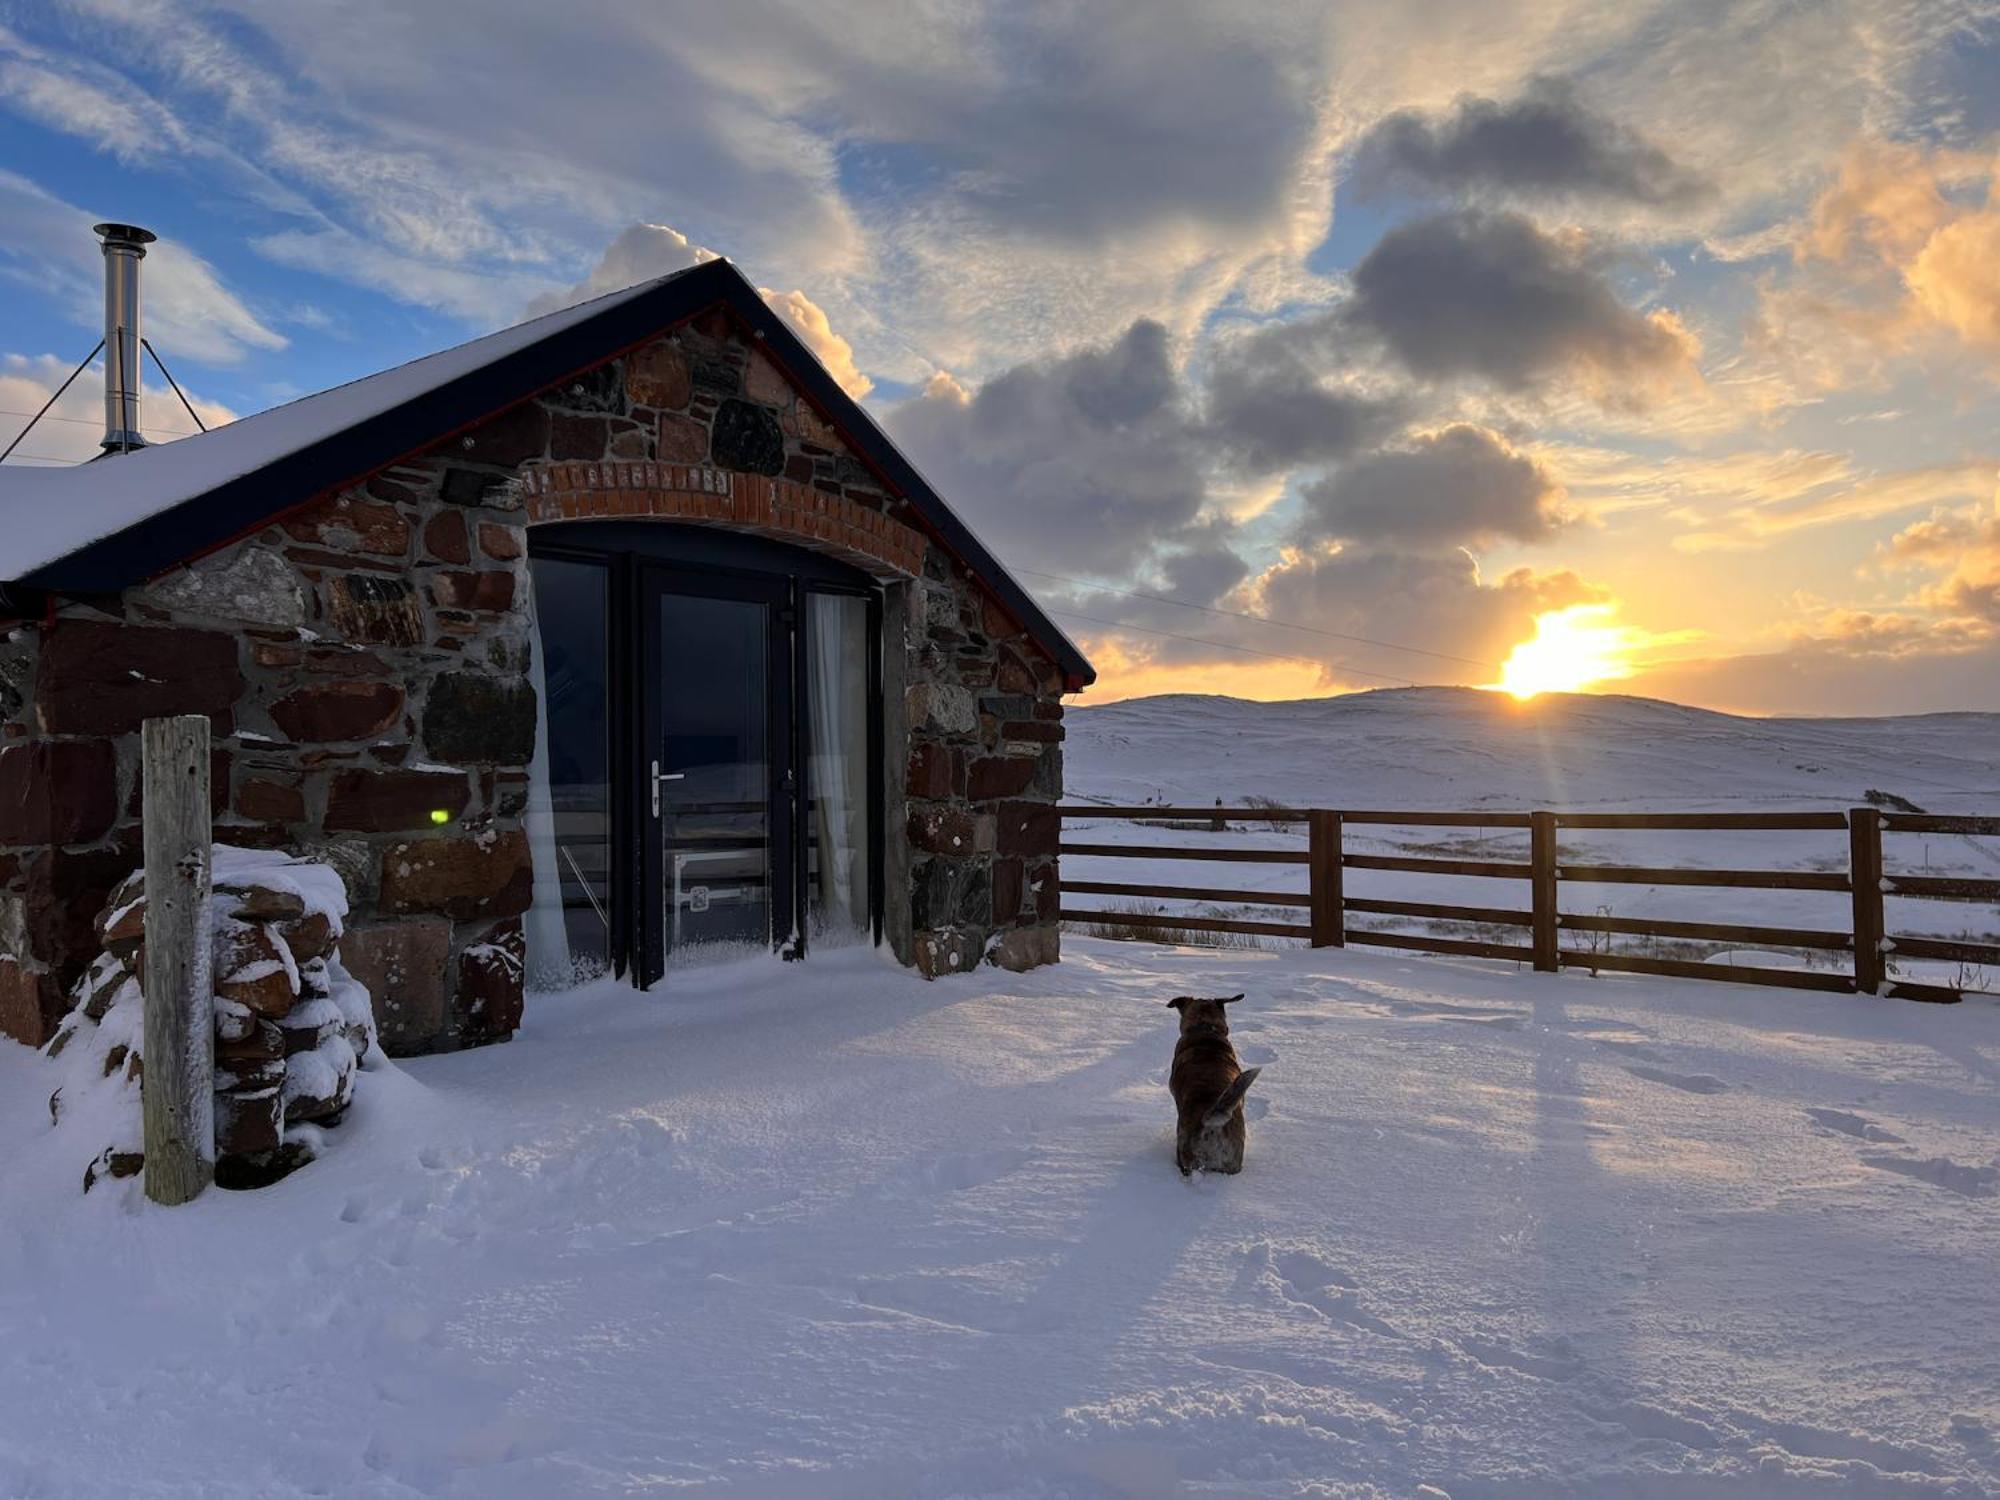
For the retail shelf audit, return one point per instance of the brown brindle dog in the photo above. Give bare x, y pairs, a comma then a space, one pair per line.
1208, 1086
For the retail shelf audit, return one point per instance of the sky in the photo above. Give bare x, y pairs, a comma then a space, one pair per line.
1280, 349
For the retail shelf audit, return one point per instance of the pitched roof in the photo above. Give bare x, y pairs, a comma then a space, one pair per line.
100, 527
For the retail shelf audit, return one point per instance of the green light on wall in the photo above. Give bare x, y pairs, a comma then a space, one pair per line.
440, 815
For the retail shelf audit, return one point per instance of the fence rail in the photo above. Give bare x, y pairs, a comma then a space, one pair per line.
1327, 904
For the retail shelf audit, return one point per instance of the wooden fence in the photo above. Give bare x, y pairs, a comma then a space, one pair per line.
1327, 900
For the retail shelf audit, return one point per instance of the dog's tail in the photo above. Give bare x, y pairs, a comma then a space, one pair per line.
1220, 1111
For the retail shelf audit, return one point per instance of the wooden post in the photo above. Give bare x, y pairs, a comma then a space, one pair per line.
1864, 873
1329, 903
1542, 877
179, 1084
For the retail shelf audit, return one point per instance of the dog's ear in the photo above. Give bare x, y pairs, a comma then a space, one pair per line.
1179, 1003
1229, 999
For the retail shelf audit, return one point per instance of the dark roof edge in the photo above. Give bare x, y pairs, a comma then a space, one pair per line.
867, 438
240, 506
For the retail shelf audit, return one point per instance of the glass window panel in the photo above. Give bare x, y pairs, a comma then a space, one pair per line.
569, 785
715, 812
837, 813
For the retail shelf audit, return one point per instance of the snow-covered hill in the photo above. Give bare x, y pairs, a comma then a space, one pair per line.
1461, 748
1457, 748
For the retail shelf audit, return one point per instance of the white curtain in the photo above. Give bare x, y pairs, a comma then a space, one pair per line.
838, 706
549, 963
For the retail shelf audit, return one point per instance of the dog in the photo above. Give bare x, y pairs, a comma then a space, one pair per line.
1208, 1085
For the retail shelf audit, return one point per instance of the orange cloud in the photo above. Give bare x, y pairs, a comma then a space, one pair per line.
1963, 546
1901, 248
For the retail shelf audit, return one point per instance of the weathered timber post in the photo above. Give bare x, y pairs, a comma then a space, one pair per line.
1329, 902
1864, 874
1542, 877
179, 1081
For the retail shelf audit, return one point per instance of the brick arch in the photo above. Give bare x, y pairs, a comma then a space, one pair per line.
778, 508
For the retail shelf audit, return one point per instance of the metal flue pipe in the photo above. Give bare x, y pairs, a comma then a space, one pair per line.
124, 247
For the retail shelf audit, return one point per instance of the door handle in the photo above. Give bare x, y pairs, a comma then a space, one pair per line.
660, 776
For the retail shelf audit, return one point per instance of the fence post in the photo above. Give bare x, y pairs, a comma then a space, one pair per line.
179, 1083
1864, 874
1542, 877
1329, 903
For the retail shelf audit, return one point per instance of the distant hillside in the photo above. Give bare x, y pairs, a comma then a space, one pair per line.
1458, 747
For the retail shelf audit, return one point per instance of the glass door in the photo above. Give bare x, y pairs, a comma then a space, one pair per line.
715, 774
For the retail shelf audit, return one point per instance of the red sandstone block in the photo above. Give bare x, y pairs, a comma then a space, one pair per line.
337, 711
463, 878
57, 791
490, 590
445, 539
502, 543
103, 678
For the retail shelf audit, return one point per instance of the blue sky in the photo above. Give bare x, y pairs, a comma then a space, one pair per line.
1408, 320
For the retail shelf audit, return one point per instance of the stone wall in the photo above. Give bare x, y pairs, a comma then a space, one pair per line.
364, 661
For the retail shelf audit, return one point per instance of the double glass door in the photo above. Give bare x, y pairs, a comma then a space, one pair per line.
708, 768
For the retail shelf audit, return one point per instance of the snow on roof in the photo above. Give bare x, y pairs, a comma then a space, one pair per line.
54, 512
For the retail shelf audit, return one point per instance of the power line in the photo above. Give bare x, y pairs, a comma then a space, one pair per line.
7, 411
1237, 614
1202, 640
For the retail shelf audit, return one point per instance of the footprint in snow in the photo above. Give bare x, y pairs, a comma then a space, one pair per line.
1693, 1083
1559, 1362
956, 1172
1858, 1126
1305, 1281
1941, 1171
1628, 1047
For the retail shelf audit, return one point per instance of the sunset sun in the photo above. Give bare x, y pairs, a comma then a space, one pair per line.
1570, 650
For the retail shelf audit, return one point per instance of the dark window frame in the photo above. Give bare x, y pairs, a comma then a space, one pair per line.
633, 552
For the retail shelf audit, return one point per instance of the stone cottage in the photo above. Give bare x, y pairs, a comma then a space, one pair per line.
609, 643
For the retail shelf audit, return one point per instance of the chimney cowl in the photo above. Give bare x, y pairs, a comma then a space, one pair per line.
124, 247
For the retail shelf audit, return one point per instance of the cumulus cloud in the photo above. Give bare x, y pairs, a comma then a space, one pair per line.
1087, 463
1962, 548
1893, 261
644, 252
1473, 294
1461, 487
1952, 277
1545, 144
1270, 407
1107, 463
1438, 601
640, 252
1456, 625
810, 322
1886, 200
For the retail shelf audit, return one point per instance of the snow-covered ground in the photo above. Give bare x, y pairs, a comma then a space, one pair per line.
1459, 749
828, 1230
